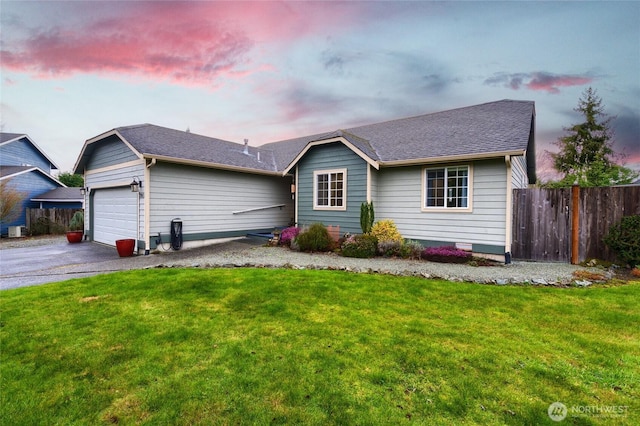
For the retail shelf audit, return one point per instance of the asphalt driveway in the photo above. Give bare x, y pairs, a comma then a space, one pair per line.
32, 261
40, 264
57, 260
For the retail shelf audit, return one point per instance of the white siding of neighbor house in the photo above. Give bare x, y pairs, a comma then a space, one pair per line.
205, 199
114, 177
400, 197
519, 172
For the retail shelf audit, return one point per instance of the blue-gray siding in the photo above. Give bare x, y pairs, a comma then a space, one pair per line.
110, 152
400, 198
22, 153
206, 199
328, 157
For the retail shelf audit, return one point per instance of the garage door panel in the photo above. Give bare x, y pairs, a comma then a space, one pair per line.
114, 215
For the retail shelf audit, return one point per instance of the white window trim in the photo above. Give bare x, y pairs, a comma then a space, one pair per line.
467, 209
316, 173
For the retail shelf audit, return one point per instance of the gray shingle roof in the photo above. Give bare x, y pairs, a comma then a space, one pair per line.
495, 127
160, 141
4, 137
499, 126
60, 194
492, 127
12, 170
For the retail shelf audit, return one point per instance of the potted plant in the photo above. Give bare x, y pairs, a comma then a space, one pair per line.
76, 228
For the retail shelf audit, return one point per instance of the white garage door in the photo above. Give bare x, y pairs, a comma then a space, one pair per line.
114, 215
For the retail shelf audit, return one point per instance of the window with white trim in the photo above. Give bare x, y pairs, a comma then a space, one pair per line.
330, 189
447, 187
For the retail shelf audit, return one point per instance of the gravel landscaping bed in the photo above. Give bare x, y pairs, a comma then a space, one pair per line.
237, 254
249, 253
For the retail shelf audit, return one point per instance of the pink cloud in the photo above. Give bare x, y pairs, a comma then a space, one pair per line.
185, 42
550, 82
542, 81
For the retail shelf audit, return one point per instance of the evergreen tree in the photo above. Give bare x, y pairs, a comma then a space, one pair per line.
586, 156
71, 180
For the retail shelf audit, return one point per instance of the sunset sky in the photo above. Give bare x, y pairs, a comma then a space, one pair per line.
269, 71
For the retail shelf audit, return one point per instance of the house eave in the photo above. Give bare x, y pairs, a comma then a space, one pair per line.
450, 158
82, 158
210, 165
35, 169
375, 164
57, 200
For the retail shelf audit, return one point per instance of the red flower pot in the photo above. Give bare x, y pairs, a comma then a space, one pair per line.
125, 247
75, 236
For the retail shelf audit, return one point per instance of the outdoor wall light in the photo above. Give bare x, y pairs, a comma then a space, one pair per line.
83, 191
136, 185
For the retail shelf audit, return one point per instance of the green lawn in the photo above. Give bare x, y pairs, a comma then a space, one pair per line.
259, 346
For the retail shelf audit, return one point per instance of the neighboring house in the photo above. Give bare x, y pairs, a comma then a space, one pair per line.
27, 169
444, 178
60, 198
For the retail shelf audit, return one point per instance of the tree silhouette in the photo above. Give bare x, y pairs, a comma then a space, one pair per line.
586, 155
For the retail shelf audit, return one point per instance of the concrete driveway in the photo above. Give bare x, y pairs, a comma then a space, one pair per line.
57, 260
54, 262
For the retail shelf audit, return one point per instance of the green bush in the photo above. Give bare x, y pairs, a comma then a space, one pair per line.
315, 238
389, 248
362, 246
44, 226
624, 239
367, 217
407, 249
411, 250
77, 221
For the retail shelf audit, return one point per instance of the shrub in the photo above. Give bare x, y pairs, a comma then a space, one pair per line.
446, 254
411, 250
315, 238
77, 221
288, 234
389, 248
367, 216
386, 230
362, 246
45, 226
624, 239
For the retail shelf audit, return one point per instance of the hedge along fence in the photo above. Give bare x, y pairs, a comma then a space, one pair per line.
569, 224
49, 221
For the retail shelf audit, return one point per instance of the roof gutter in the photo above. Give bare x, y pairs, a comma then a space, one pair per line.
209, 165
451, 158
58, 200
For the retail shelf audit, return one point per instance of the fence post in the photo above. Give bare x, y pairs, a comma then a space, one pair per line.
575, 224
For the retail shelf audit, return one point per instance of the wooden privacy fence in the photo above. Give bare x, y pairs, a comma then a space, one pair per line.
553, 224
49, 221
